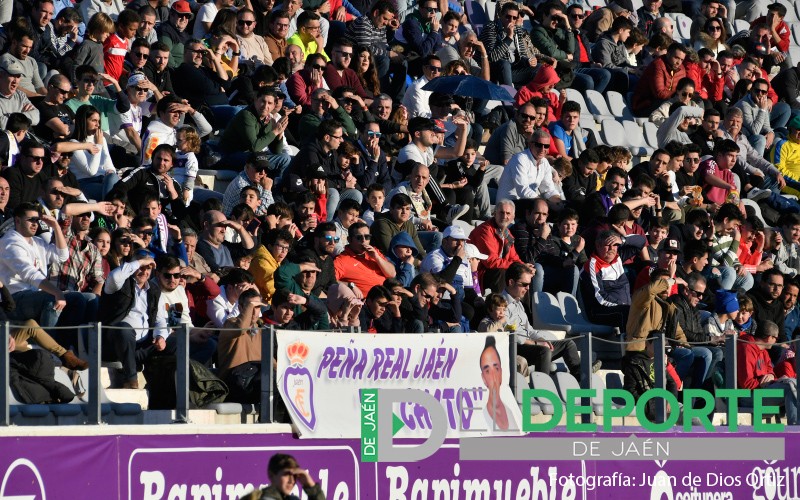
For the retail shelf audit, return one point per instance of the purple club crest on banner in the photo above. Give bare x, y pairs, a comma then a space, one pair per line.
298, 385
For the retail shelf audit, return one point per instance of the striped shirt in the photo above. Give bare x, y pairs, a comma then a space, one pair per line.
364, 34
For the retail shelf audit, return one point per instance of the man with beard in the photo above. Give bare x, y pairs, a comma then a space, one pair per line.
766, 298
319, 253
156, 71
212, 245
338, 72
658, 82
511, 137
494, 239
27, 178
170, 281
790, 310
57, 119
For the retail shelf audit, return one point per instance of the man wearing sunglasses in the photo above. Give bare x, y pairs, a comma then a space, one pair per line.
56, 119
528, 174
416, 99
338, 72
372, 166
308, 254
507, 45
173, 33
361, 265
126, 128
253, 47
420, 30
309, 35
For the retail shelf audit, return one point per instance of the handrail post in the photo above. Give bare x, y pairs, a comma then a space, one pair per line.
512, 366
5, 415
586, 374
796, 363
660, 369
265, 415
94, 414
182, 374
730, 362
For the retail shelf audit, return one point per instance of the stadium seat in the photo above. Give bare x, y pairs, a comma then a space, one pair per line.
466, 226
476, 15
683, 27
574, 317
791, 12
597, 106
740, 25
613, 133
490, 7
586, 114
543, 381
633, 132
27, 410
547, 314
107, 406
565, 382
597, 402
595, 4
637, 4
617, 106
651, 134
794, 53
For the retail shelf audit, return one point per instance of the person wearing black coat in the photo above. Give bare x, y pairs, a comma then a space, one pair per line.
787, 85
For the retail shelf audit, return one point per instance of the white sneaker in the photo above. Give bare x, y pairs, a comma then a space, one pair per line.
455, 212
757, 194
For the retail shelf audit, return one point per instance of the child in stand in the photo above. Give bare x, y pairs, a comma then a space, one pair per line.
90, 52
604, 153
376, 196
151, 207
621, 157
744, 321
658, 232
571, 244
720, 324
562, 168
496, 306
116, 46
187, 146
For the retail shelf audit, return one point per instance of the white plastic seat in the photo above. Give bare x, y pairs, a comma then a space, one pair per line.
651, 134
597, 105
633, 132
683, 26
574, 95
564, 382
574, 316
597, 402
543, 381
791, 13
613, 133
546, 313
740, 25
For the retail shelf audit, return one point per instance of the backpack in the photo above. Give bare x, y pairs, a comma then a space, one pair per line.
32, 378
205, 388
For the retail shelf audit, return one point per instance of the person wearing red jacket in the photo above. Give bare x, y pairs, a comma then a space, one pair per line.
541, 86
779, 32
659, 80
755, 370
707, 76
495, 240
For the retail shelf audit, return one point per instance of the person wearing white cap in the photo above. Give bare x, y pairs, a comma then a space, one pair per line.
12, 99
452, 248
126, 128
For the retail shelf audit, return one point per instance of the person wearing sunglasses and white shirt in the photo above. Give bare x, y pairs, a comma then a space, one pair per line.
528, 174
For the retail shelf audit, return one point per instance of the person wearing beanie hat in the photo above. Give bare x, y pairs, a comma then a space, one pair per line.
720, 324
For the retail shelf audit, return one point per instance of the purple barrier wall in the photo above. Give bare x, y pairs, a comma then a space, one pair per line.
225, 466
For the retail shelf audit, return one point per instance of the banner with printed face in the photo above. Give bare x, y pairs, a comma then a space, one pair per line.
322, 376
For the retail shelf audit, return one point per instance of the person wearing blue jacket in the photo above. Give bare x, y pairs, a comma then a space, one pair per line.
402, 252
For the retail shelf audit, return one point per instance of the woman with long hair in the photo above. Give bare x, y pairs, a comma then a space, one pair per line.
367, 72
712, 36
101, 238
95, 172
121, 250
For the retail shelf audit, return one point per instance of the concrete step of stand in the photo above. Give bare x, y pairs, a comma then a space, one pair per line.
128, 396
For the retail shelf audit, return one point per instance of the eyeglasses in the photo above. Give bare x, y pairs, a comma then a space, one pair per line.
526, 117
89, 81
370, 133
687, 94
363, 237
242, 22
312, 28
317, 67
692, 160
346, 55
511, 18
140, 90
760, 91
259, 170
382, 304
144, 234
332, 239
62, 91
125, 241
524, 285
694, 292
774, 285
435, 69
183, 16
282, 248
171, 276
427, 296
541, 145
338, 137
140, 55
577, 16
715, 28
36, 159
309, 273
432, 9
32, 220
282, 26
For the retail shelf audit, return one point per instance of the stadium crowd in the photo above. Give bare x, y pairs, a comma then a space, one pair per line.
359, 197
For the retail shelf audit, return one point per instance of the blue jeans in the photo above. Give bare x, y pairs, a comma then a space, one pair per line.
789, 400
236, 160
591, 79
729, 280
223, 114
335, 197
431, 240
97, 187
36, 305
780, 115
683, 358
706, 361
511, 74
